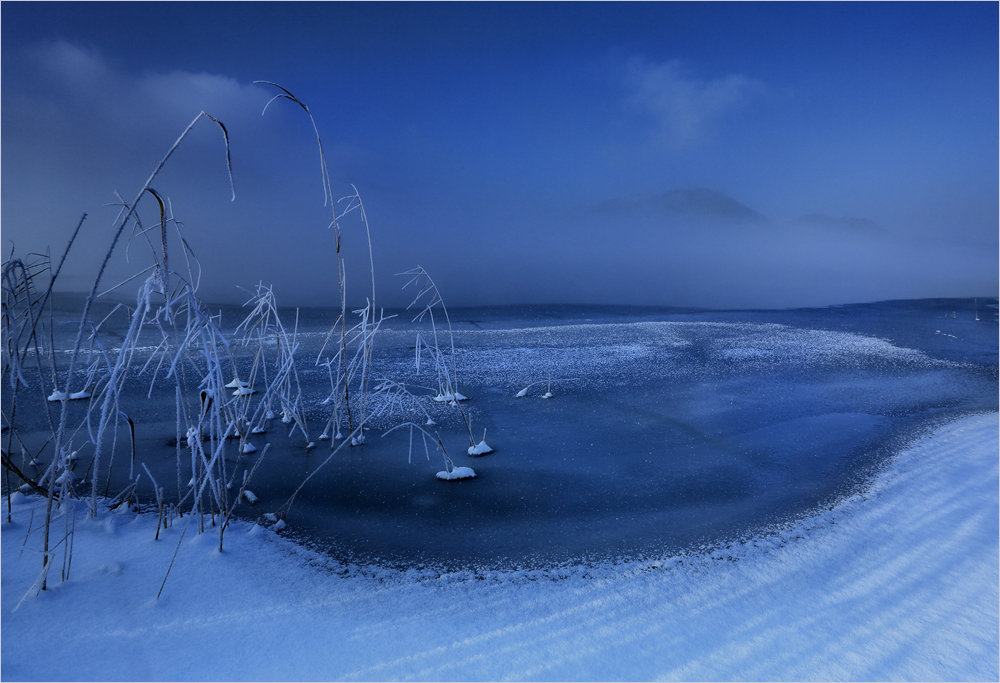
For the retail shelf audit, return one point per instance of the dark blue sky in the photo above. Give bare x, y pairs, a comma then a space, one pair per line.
712, 154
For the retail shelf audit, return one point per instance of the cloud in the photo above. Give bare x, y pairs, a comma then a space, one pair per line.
77, 87
76, 128
684, 107
187, 92
71, 64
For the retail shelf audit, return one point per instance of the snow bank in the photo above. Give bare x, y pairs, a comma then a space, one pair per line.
899, 583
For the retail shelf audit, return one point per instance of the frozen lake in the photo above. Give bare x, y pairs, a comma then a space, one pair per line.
667, 429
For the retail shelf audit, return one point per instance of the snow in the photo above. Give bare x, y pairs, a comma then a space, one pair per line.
900, 582
448, 397
457, 473
481, 448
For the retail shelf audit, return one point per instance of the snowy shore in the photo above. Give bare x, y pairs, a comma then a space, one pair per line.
900, 583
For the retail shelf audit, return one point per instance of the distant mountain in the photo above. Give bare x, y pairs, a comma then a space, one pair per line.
858, 226
701, 203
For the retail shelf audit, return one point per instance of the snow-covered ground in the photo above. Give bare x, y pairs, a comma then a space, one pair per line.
899, 583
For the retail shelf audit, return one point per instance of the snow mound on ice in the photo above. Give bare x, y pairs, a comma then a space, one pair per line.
457, 473
481, 448
448, 397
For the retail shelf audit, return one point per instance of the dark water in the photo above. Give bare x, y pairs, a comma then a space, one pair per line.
667, 428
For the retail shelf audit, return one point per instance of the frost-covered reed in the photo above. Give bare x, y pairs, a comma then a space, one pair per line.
426, 302
227, 390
